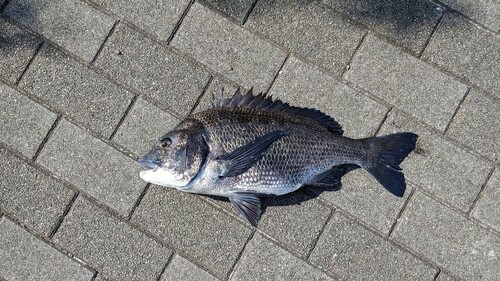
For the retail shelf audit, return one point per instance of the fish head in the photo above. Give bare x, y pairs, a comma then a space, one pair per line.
176, 160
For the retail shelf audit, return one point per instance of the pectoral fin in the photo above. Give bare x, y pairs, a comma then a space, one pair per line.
241, 159
248, 205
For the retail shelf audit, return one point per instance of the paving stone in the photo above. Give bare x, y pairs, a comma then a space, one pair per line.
304, 85
210, 237
295, 220
487, 209
24, 123
447, 238
94, 235
182, 269
17, 47
77, 91
76, 156
363, 197
153, 69
25, 257
310, 29
30, 196
477, 124
408, 22
467, 51
352, 252
228, 49
445, 170
73, 24
143, 126
100, 278
486, 12
400, 79
157, 17
218, 88
263, 260
445, 277
237, 9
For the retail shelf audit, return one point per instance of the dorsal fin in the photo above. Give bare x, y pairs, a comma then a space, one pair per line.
265, 102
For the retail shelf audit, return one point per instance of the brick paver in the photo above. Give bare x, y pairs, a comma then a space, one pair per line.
486, 12
182, 269
487, 209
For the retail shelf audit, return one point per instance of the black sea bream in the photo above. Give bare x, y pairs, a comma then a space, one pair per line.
250, 146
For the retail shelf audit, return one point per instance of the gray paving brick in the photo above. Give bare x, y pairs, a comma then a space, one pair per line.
467, 51
445, 170
17, 47
93, 167
295, 220
153, 69
208, 236
228, 49
407, 22
304, 85
182, 269
25, 257
117, 250
445, 277
157, 17
400, 79
477, 124
30, 196
77, 91
236, 9
486, 12
24, 123
73, 24
310, 29
142, 127
363, 197
448, 239
216, 89
487, 209
263, 260
352, 252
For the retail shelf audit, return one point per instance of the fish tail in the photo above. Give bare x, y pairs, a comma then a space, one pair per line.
385, 155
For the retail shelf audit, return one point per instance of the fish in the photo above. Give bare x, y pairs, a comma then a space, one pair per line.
250, 146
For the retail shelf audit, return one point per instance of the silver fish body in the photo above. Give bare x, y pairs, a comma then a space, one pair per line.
250, 146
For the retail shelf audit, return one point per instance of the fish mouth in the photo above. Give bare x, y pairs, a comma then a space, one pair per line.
148, 164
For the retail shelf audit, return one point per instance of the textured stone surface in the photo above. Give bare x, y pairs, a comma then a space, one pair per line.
76, 156
228, 49
25, 257
448, 239
210, 237
352, 252
94, 235
157, 17
310, 29
469, 127
143, 126
237, 9
30, 196
17, 47
486, 12
408, 22
402, 80
263, 260
467, 51
445, 277
218, 88
23, 123
152, 69
70, 87
438, 166
487, 209
295, 220
60, 20
182, 269
363, 197
304, 85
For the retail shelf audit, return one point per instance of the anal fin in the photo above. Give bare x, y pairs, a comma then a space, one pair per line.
248, 205
331, 178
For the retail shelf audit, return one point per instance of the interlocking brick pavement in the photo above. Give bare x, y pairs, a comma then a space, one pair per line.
87, 87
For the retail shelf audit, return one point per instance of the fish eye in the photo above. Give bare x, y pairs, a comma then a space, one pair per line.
165, 142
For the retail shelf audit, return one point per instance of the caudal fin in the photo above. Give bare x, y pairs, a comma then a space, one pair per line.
386, 153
